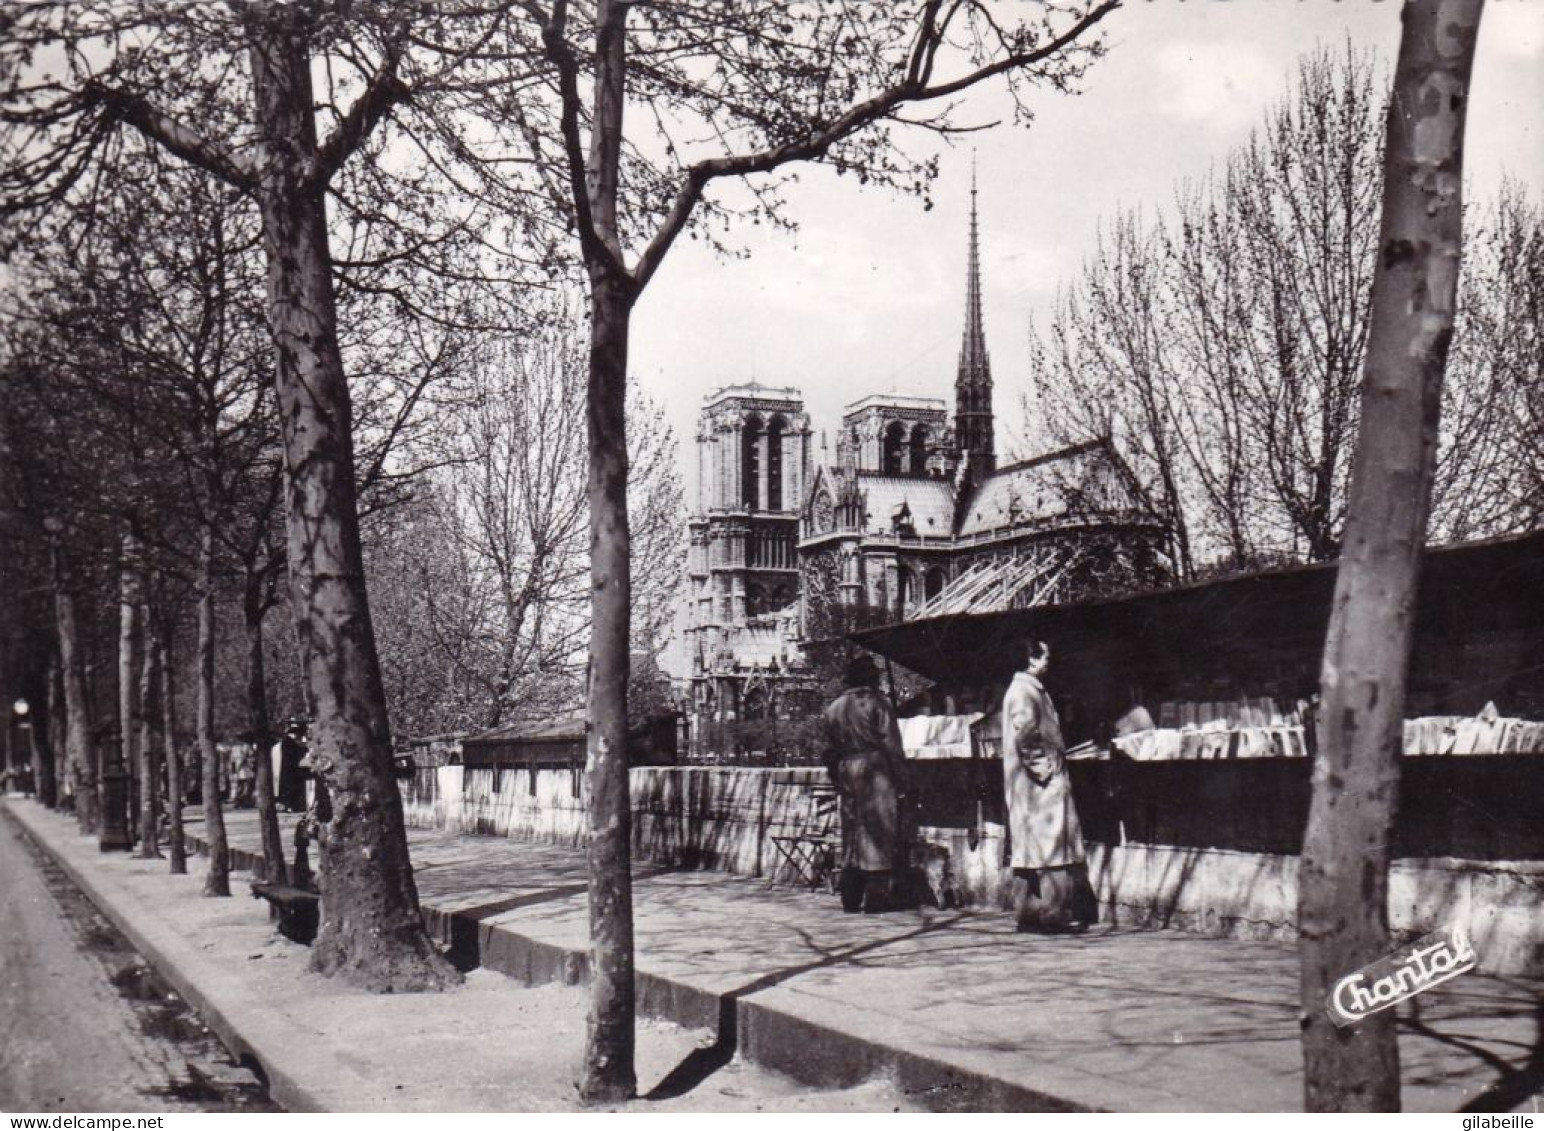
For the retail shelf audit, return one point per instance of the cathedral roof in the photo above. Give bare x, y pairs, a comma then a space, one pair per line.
929, 501
1082, 479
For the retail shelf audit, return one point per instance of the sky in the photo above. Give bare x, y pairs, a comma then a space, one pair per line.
868, 295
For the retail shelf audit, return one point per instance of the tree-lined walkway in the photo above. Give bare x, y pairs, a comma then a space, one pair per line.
956, 1001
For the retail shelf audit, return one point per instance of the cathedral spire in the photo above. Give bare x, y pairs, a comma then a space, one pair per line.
973, 385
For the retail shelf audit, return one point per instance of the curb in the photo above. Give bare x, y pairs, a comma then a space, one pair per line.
251, 1052
782, 1040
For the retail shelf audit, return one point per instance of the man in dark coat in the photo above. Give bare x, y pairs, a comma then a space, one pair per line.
292, 775
864, 757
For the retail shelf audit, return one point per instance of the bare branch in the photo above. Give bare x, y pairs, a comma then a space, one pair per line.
818, 142
179, 138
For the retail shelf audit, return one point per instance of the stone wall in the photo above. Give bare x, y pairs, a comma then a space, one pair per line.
542, 805
689, 817
726, 819
1254, 894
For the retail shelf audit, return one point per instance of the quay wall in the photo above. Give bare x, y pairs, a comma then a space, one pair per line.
1147, 868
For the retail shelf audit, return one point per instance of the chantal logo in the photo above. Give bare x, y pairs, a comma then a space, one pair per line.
1423, 964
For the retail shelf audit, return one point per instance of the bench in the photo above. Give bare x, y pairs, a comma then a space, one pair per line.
298, 911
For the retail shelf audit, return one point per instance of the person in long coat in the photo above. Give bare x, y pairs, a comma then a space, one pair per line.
290, 792
1047, 857
867, 764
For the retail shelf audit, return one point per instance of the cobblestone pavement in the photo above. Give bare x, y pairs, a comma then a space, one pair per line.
84, 1025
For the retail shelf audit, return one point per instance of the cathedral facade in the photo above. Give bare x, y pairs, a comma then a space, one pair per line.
911, 516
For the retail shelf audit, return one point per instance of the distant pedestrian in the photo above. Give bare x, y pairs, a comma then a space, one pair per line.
1047, 857
867, 763
292, 776
245, 757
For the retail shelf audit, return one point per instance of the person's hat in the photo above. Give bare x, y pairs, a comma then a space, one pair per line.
861, 671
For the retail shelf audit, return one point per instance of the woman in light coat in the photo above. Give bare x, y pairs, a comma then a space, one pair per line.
1048, 857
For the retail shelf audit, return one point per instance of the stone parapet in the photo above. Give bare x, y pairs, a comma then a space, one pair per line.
725, 818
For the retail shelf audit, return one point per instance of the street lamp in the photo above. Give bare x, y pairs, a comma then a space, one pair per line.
10, 754
20, 757
12, 765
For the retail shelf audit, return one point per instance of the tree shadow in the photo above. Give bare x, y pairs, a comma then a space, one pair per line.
465, 924
702, 1063
1513, 1084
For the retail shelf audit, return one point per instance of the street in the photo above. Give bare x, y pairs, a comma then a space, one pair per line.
84, 1025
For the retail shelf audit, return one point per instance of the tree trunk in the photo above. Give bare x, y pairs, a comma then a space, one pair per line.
58, 764
218, 879
79, 754
149, 748
119, 762
176, 849
371, 930
42, 750
609, 1073
274, 868
1343, 899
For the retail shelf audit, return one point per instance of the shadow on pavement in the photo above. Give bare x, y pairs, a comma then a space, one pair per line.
702, 1063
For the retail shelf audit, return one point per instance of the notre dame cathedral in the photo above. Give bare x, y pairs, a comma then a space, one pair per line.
911, 516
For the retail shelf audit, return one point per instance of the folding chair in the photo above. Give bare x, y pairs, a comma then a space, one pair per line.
811, 853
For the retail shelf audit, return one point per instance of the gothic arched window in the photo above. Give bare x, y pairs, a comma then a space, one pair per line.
893, 455
750, 461
775, 432
919, 445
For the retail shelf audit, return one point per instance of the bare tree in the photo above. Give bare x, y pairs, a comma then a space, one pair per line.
149, 717
1489, 477
519, 510
217, 878
1105, 370
155, 321
1220, 345
1210, 315
176, 852
230, 91
767, 87
1343, 884
1225, 342
1305, 195
79, 752
120, 764
482, 578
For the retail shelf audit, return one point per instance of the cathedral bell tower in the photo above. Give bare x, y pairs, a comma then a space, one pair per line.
753, 458
973, 430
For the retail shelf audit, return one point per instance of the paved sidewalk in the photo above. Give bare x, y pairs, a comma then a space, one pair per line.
960, 1010
487, 1045
940, 1010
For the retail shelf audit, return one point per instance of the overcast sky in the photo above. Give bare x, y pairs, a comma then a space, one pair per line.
868, 295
